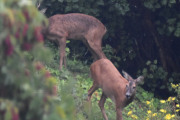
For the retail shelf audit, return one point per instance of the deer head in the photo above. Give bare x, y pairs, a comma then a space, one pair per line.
132, 83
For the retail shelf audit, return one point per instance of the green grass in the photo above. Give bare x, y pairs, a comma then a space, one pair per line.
74, 83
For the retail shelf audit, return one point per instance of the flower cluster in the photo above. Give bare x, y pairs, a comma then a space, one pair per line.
30, 87
169, 117
156, 109
164, 112
21, 30
174, 85
171, 99
133, 116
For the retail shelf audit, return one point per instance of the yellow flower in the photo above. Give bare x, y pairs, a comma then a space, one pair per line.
148, 102
173, 85
134, 116
177, 105
173, 98
177, 110
129, 113
172, 116
147, 118
168, 117
162, 101
169, 99
149, 111
155, 114
162, 110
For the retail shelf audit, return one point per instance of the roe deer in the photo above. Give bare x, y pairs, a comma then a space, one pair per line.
121, 90
76, 26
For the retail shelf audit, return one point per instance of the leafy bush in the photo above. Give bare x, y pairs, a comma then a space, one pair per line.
154, 73
27, 90
159, 79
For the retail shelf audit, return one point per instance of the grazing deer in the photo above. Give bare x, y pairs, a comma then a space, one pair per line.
121, 90
76, 26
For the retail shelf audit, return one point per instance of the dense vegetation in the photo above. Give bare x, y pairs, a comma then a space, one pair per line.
142, 38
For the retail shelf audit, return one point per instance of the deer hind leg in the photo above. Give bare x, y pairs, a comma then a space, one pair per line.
91, 91
94, 41
91, 50
62, 45
101, 105
98, 51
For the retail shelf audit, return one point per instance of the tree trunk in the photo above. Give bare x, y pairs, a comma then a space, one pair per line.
164, 46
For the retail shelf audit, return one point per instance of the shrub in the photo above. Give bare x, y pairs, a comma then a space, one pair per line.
27, 90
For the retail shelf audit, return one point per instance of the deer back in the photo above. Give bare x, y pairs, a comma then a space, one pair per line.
107, 77
74, 25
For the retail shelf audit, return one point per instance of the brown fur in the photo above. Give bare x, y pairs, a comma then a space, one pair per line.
113, 85
76, 26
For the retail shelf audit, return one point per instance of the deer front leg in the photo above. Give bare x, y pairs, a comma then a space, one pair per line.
101, 105
119, 113
62, 45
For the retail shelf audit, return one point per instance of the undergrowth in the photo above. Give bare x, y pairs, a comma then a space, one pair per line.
75, 82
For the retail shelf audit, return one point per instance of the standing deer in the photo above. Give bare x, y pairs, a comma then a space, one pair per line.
76, 26
121, 90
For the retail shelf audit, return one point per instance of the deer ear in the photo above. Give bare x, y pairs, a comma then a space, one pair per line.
140, 80
126, 75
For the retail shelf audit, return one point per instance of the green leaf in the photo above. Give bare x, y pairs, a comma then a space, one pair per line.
100, 2
68, 8
177, 32
67, 41
164, 2
67, 49
151, 76
75, 0
75, 6
155, 61
171, 28
148, 4
171, 21
172, 1
148, 62
144, 71
153, 68
163, 87
61, 1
